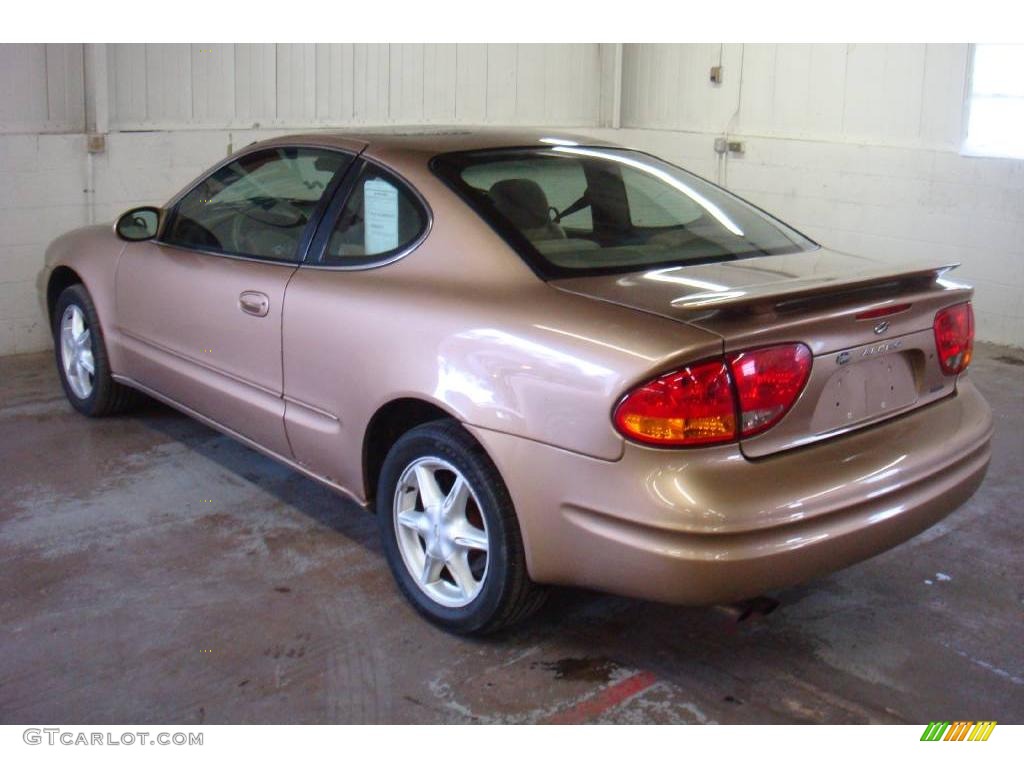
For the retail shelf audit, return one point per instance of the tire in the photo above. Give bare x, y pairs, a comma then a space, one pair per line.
95, 394
499, 592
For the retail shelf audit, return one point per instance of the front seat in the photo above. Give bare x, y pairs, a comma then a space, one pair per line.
524, 203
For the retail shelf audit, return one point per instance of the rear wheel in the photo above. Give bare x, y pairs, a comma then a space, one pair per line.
450, 532
82, 357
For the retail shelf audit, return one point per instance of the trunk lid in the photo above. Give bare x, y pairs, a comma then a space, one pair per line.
866, 369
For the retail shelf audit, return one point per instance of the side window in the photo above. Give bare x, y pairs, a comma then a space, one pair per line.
256, 206
380, 218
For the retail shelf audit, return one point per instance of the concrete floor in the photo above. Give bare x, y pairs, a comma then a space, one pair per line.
156, 571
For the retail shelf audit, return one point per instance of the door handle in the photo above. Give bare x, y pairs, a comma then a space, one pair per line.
254, 303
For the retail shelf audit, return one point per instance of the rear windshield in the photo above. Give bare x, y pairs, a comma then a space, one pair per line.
573, 210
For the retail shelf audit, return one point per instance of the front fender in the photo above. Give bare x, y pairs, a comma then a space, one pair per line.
91, 254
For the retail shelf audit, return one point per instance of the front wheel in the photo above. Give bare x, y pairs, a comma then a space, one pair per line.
82, 357
450, 532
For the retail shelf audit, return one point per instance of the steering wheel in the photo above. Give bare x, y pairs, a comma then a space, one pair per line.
239, 235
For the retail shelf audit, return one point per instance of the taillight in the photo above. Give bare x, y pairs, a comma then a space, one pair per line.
698, 404
692, 406
768, 381
954, 337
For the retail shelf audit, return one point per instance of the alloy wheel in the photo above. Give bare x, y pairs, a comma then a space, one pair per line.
441, 532
76, 352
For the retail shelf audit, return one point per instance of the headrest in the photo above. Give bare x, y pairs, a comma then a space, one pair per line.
522, 202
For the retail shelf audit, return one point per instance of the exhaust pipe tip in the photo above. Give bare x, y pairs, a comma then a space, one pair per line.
755, 607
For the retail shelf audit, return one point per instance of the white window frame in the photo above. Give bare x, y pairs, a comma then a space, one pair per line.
982, 150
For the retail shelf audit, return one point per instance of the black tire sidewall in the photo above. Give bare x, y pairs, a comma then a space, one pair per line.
440, 440
77, 295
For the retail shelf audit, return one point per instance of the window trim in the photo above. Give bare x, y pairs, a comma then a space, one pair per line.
308, 232
332, 213
532, 257
965, 101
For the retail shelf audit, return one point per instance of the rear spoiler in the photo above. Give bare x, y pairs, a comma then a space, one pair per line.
776, 296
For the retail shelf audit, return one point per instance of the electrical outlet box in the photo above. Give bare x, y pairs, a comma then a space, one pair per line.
716, 75
736, 147
96, 143
721, 145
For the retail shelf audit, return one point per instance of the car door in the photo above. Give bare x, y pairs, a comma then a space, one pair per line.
340, 291
200, 307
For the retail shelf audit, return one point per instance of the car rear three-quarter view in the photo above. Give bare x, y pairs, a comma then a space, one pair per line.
540, 361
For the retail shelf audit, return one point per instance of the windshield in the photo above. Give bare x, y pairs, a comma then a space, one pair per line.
572, 210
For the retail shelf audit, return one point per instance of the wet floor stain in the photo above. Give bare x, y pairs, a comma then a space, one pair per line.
1009, 359
585, 669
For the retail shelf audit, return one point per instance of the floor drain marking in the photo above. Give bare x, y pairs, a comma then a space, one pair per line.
610, 697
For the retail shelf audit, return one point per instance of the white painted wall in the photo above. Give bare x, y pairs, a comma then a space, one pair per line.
41, 88
246, 86
904, 95
856, 145
173, 110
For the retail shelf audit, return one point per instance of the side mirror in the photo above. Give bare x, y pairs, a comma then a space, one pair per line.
138, 224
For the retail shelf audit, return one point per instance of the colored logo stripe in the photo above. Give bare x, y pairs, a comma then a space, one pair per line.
982, 730
960, 730
934, 731
957, 731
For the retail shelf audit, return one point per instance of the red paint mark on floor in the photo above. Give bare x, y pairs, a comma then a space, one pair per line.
606, 699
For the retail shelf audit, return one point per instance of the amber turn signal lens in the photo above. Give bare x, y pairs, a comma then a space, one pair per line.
691, 406
700, 404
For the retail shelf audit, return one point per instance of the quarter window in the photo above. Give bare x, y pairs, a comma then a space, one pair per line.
381, 218
258, 205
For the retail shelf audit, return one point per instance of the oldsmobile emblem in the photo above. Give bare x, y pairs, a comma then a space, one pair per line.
882, 327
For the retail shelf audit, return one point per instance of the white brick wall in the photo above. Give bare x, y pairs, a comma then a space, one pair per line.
40, 198
44, 195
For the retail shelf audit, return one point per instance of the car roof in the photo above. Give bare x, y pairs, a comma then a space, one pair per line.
406, 147
437, 140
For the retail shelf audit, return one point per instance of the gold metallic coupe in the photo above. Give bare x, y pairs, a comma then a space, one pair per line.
541, 360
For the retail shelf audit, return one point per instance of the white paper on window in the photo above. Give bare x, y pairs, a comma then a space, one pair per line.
380, 203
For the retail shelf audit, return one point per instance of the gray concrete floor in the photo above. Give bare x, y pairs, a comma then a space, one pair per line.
156, 571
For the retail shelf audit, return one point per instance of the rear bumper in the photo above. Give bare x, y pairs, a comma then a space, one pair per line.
709, 526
